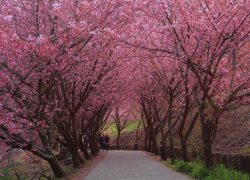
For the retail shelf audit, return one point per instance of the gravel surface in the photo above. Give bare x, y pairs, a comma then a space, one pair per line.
132, 165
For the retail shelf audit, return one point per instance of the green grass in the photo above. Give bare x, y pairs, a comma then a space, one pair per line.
131, 126
198, 171
8, 174
111, 129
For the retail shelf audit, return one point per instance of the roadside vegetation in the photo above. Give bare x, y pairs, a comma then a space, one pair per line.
198, 170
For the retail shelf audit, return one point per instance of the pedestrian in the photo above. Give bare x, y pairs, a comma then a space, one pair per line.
103, 142
107, 138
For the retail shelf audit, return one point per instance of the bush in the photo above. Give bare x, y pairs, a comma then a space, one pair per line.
220, 172
198, 171
5, 173
182, 166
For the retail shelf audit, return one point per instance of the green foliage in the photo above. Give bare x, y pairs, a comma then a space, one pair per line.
198, 171
131, 126
222, 173
182, 166
8, 173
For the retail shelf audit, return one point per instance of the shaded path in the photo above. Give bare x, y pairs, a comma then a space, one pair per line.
132, 165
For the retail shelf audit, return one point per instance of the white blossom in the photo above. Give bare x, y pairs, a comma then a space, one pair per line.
8, 18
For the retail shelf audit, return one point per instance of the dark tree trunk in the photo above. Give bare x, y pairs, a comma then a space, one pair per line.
155, 148
75, 157
184, 149
84, 150
94, 146
149, 146
51, 159
146, 142
207, 150
57, 169
171, 146
208, 155
118, 140
163, 150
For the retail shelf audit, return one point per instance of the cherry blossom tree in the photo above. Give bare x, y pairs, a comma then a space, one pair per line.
209, 37
50, 65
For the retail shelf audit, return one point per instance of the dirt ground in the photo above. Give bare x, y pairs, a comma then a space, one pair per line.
83, 172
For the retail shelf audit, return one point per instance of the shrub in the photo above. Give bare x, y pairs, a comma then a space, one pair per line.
198, 171
182, 166
220, 172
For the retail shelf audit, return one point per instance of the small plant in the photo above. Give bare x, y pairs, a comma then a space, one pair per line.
220, 172
198, 171
182, 166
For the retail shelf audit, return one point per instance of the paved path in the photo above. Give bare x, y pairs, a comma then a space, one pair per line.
132, 165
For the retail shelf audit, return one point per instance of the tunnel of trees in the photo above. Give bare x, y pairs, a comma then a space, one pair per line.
68, 67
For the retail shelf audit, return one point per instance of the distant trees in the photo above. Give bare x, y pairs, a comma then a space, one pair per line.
120, 118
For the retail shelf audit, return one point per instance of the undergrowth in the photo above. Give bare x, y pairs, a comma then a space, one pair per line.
197, 170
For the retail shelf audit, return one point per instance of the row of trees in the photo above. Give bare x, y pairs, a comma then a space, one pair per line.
59, 76
196, 61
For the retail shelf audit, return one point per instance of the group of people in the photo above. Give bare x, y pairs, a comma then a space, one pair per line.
104, 141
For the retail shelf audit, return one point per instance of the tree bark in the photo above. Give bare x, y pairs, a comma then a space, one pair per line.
57, 169
184, 149
208, 155
171, 146
163, 150
149, 145
146, 142
75, 157
51, 159
94, 145
171, 141
155, 148
207, 148
84, 151
118, 141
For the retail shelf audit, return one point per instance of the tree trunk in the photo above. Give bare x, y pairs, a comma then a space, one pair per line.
94, 145
149, 146
146, 142
84, 150
184, 149
208, 155
75, 157
51, 159
163, 150
207, 150
57, 169
118, 140
171, 146
155, 149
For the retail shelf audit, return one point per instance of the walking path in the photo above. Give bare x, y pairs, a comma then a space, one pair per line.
132, 165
